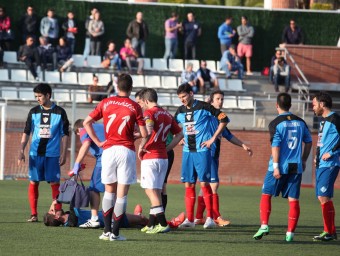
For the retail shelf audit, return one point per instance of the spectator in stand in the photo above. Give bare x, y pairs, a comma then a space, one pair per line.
292, 34
29, 24
138, 32
47, 54
1, 57
5, 30
192, 30
171, 38
64, 55
206, 76
226, 34
96, 29
71, 29
274, 60
28, 53
231, 62
111, 57
49, 27
130, 57
281, 72
88, 35
245, 47
189, 76
95, 90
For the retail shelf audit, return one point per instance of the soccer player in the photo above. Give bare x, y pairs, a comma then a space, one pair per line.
96, 185
154, 158
287, 162
195, 117
49, 126
120, 114
327, 162
216, 99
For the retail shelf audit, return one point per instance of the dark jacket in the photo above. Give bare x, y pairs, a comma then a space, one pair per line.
133, 30
63, 53
64, 26
29, 24
28, 51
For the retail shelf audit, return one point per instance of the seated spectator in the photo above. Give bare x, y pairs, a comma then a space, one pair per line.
189, 76
64, 55
71, 29
281, 74
96, 92
231, 62
292, 34
130, 57
205, 77
111, 57
112, 86
278, 54
47, 53
28, 53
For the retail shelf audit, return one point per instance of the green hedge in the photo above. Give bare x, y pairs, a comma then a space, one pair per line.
320, 28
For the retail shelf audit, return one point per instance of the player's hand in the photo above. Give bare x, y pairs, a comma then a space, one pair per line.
326, 156
248, 149
136, 135
141, 152
303, 165
52, 207
76, 168
21, 158
207, 143
276, 173
62, 160
101, 143
182, 142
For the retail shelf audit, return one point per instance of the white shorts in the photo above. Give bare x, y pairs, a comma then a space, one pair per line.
119, 165
153, 172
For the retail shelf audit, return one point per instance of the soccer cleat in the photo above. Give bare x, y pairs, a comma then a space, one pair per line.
146, 228
158, 229
90, 224
105, 236
187, 224
199, 221
209, 223
138, 210
261, 232
289, 236
325, 237
33, 218
117, 238
222, 222
175, 222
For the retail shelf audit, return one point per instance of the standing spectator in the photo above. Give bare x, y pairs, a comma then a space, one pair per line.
286, 165
189, 76
1, 57
47, 53
245, 47
5, 30
327, 162
29, 24
171, 38
49, 27
88, 35
292, 34
29, 54
130, 57
206, 76
111, 57
231, 62
192, 30
64, 55
94, 91
96, 29
281, 71
226, 34
71, 29
138, 32
49, 126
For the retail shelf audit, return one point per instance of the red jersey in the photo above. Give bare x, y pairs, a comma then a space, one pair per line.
163, 123
120, 114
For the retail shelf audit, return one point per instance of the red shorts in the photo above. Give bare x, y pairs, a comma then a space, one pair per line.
244, 50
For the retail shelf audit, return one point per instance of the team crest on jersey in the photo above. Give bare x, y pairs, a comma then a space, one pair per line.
221, 116
45, 119
188, 115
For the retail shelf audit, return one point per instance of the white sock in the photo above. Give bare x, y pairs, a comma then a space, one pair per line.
94, 218
264, 226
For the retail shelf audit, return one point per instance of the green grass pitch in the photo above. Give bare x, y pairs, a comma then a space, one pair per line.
239, 204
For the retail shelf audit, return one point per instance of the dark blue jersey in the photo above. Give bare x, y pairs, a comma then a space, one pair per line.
287, 132
94, 149
47, 128
196, 124
328, 141
216, 146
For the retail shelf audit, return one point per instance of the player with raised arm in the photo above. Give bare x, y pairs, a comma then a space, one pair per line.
288, 132
327, 162
195, 117
49, 126
120, 114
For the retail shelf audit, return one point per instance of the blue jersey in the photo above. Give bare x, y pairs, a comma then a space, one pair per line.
216, 146
287, 132
196, 124
328, 141
47, 128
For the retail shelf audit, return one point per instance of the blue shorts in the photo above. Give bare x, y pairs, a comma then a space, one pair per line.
325, 179
196, 165
214, 170
288, 185
42, 168
96, 180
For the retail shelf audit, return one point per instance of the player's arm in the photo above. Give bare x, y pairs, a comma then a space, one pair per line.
24, 140
149, 125
62, 159
90, 131
236, 141
177, 139
276, 158
306, 150
81, 155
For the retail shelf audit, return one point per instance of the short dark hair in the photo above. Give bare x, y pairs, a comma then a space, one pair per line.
284, 100
125, 83
78, 124
140, 93
211, 97
150, 95
325, 98
245, 17
43, 88
110, 42
51, 221
184, 88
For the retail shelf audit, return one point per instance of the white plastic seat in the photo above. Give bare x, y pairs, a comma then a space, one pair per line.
81, 96
94, 61
4, 75
235, 85
176, 65
26, 94
218, 68
230, 102
164, 99
147, 63
245, 102
9, 93
78, 60
175, 100
52, 77
85, 78
138, 80
19, 75
30, 77
222, 84
152, 81
103, 78
169, 82
61, 95
159, 64
10, 57
69, 77
211, 64
195, 63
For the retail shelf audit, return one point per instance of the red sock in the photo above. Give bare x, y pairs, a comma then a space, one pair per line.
33, 195
190, 198
200, 207
55, 193
265, 208
328, 214
207, 196
216, 206
293, 215
333, 219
